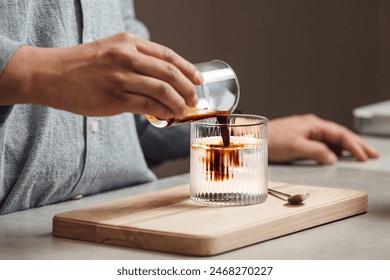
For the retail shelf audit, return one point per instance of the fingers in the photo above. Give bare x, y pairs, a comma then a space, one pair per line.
348, 140
168, 55
152, 88
315, 150
371, 152
140, 104
177, 76
162, 63
143, 105
169, 73
310, 137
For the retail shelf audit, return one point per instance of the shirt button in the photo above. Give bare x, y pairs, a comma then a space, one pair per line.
78, 196
95, 126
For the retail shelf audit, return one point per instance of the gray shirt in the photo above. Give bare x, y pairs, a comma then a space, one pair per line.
49, 155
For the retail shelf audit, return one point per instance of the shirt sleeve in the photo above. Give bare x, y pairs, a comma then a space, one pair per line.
160, 144
7, 48
132, 25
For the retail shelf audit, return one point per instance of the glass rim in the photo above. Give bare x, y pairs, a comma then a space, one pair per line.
256, 120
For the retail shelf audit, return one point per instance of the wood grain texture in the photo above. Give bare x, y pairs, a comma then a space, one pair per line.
167, 220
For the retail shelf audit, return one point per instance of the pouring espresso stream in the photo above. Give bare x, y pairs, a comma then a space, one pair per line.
223, 121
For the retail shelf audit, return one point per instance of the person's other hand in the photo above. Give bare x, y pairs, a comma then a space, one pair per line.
310, 137
122, 73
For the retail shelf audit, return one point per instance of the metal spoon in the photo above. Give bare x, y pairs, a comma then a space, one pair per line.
293, 199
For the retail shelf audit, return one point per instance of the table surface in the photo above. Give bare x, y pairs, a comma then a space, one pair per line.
28, 234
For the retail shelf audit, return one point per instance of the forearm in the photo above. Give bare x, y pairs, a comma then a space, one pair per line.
8, 48
29, 76
16, 79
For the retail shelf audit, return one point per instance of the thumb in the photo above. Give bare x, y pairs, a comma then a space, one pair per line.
318, 151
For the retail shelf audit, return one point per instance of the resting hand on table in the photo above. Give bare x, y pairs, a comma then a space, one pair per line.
310, 137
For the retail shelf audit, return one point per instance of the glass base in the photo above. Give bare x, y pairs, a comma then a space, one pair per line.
228, 199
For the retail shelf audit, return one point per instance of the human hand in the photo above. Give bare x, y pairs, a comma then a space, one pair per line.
122, 73
308, 136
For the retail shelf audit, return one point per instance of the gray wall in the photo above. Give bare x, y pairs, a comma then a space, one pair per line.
291, 56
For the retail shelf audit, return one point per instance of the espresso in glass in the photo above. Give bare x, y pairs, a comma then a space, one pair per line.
229, 160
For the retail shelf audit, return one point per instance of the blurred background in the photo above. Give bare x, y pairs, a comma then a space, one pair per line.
291, 56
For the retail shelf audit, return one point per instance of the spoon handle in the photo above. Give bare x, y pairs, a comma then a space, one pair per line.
278, 192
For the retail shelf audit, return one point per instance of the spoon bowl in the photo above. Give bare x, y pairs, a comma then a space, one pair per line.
293, 199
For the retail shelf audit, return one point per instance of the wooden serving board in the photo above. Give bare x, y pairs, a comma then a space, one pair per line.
167, 220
